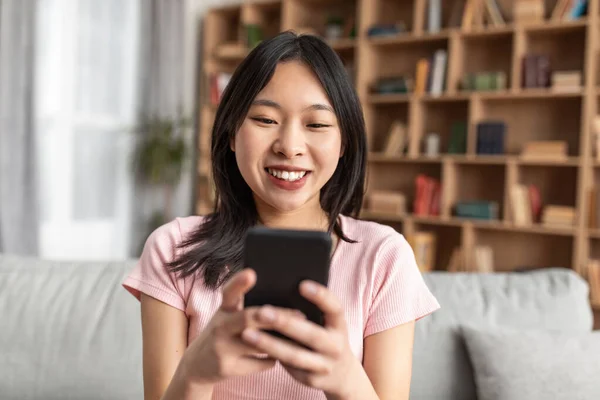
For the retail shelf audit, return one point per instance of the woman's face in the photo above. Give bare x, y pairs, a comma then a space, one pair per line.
290, 143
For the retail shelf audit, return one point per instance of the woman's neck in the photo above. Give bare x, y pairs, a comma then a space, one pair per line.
310, 218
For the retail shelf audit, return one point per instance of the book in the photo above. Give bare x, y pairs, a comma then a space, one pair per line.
490, 137
477, 209
396, 139
559, 216
423, 69
520, 205
458, 138
535, 202
596, 136
423, 244
593, 208
438, 72
434, 16
481, 260
387, 202
494, 13
545, 150
427, 196
593, 277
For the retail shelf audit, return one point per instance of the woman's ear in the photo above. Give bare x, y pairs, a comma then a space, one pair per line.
232, 144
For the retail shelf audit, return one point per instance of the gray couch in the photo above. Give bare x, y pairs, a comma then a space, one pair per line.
69, 330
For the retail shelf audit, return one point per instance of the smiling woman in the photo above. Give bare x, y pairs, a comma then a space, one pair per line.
288, 151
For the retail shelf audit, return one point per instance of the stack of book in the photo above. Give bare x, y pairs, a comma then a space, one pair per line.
427, 196
566, 81
535, 71
593, 272
483, 81
386, 202
526, 204
545, 150
477, 209
481, 260
393, 85
559, 216
490, 137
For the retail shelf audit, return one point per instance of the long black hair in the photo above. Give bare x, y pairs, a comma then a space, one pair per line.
216, 247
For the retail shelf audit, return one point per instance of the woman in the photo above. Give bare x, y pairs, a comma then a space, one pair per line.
289, 151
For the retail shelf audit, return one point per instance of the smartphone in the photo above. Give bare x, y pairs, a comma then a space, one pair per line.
282, 259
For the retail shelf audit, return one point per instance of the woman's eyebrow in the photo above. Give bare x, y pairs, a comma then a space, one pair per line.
265, 102
320, 107
274, 104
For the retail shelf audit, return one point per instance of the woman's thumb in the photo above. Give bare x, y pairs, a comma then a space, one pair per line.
235, 289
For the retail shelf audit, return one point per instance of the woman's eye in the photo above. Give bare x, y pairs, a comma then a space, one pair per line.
264, 120
318, 126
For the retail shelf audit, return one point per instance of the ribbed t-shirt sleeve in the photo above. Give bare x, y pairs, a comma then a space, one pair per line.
400, 294
150, 275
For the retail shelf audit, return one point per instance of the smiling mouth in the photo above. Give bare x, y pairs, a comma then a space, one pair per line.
289, 176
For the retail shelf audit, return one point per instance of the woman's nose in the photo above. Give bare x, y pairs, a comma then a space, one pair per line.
290, 142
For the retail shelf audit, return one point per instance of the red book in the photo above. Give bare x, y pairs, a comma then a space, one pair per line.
420, 187
435, 199
535, 199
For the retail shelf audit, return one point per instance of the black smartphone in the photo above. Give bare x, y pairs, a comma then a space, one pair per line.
282, 259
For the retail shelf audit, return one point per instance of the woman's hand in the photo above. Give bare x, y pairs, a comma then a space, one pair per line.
219, 352
329, 365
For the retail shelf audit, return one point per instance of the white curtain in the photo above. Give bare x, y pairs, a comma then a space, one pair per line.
87, 100
18, 185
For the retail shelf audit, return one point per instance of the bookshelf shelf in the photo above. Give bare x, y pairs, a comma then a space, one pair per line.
475, 223
388, 98
410, 39
488, 32
529, 112
556, 27
529, 94
474, 159
427, 98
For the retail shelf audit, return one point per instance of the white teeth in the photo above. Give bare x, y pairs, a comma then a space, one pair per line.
289, 176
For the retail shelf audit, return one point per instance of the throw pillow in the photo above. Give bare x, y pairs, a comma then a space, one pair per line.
512, 364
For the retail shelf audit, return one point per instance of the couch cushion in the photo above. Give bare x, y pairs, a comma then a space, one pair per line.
68, 331
554, 298
534, 365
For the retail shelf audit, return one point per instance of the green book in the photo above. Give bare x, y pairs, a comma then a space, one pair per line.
458, 138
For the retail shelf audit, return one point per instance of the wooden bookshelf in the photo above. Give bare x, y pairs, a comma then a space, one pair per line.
529, 114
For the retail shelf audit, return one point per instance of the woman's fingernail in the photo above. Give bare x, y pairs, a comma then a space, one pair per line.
311, 288
250, 335
267, 314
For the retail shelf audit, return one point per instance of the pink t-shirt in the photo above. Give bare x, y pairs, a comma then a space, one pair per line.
377, 280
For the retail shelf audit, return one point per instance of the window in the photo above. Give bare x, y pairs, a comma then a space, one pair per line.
86, 104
